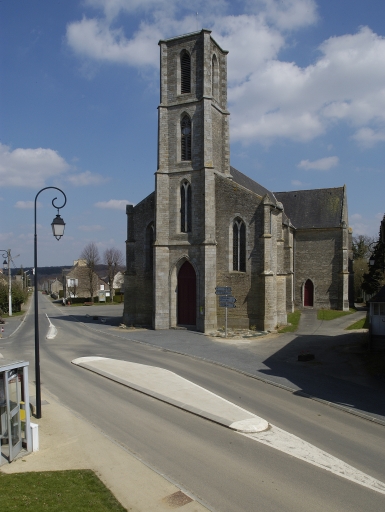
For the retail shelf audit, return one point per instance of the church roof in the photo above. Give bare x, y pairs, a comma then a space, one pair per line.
318, 208
250, 184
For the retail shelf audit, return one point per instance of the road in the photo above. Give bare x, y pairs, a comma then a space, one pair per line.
224, 469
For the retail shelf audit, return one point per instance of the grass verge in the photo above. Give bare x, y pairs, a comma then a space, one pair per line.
74, 490
293, 321
14, 313
331, 314
360, 324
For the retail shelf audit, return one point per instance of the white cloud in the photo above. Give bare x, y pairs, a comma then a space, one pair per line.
114, 204
367, 137
27, 205
95, 39
280, 99
268, 98
323, 164
95, 227
29, 167
85, 178
355, 216
286, 14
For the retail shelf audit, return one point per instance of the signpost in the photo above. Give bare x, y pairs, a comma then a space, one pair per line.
226, 300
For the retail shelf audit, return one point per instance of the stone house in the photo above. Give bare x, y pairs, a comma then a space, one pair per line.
208, 225
77, 281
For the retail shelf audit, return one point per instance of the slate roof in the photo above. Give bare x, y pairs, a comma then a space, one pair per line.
250, 184
318, 208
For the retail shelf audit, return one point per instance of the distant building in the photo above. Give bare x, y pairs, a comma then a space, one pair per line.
77, 281
208, 225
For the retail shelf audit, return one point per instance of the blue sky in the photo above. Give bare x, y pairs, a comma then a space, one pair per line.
79, 91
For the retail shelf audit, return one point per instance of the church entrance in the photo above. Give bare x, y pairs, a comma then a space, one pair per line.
308, 295
187, 295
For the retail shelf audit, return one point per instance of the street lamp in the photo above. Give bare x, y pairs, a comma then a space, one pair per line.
7, 265
58, 226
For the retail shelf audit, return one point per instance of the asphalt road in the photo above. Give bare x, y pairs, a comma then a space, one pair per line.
226, 470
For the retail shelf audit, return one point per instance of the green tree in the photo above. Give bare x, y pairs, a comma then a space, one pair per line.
374, 279
360, 268
360, 246
18, 297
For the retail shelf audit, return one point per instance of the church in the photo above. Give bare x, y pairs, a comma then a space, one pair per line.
208, 225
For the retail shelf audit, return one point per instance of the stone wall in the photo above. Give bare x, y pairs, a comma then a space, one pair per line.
138, 282
318, 257
234, 201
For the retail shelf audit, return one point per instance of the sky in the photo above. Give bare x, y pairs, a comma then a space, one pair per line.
79, 90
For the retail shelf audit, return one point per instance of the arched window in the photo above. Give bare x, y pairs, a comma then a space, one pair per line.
185, 73
185, 207
185, 129
239, 245
214, 77
149, 249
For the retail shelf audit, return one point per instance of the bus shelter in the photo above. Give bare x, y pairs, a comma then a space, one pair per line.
15, 428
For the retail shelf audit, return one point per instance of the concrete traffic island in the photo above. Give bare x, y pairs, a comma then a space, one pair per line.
175, 390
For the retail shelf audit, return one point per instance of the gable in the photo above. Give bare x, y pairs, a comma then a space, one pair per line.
319, 208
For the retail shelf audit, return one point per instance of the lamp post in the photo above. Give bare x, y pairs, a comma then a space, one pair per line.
7, 265
58, 226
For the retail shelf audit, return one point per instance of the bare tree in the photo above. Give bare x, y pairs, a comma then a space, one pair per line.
113, 258
91, 257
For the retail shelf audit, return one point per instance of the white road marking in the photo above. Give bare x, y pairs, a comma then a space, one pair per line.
293, 445
52, 331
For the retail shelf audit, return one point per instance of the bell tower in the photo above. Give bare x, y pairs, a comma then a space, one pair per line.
193, 146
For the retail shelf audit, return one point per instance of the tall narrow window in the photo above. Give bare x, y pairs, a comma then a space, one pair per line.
185, 207
185, 73
185, 129
239, 245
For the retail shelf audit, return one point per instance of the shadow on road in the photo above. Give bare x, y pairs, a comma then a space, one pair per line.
338, 373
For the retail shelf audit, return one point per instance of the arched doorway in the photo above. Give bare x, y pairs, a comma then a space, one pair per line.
187, 295
308, 294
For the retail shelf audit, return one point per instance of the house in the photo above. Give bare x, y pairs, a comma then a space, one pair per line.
79, 279
208, 225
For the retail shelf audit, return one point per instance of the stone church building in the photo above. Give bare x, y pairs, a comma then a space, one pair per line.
207, 225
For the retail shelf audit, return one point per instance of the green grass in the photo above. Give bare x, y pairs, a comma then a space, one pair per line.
360, 324
293, 320
14, 313
61, 491
331, 314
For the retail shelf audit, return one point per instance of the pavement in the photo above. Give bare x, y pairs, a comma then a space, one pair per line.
336, 375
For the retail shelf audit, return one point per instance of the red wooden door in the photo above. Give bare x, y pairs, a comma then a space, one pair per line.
187, 295
308, 293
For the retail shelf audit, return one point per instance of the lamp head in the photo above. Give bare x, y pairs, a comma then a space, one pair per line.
58, 226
